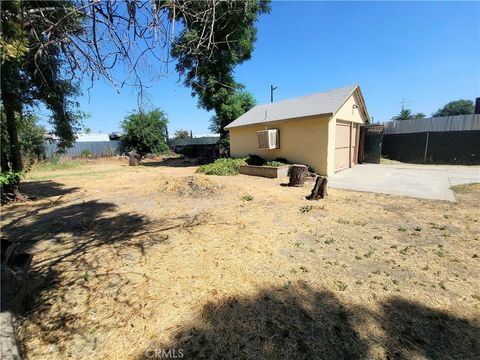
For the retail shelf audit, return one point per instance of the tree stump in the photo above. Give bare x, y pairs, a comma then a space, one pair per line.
297, 174
319, 190
134, 158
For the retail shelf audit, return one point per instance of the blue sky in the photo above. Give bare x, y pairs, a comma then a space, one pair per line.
425, 52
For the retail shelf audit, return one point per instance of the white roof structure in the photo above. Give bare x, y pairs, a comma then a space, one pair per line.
92, 137
322, 103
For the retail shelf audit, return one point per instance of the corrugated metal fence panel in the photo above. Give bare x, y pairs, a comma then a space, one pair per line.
102, 148
210, 140
439, 124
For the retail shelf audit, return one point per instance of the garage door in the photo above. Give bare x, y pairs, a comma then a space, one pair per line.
342, 145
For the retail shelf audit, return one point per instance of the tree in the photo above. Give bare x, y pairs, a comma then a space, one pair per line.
406, 114
30, 76
146, 132
182, 134
458, 107
30, 138
211, 79
235, 105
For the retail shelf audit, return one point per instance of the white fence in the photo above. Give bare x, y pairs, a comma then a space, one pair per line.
95, 148
436, 124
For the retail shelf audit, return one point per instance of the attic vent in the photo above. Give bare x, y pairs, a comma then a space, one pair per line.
268, 139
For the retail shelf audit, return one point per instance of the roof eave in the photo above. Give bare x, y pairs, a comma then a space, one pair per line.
329, 114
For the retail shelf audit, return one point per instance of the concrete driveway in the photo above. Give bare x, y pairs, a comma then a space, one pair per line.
420, 181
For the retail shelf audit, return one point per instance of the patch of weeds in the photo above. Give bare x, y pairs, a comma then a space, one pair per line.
395, 281
298, 244
426, 267
357, 257
417, 228
287, 284
476, 296
304, 269
442, 285
343, 221
247, 197
376, 272
359, 282
329, 241
312, 250
445, 216
369, 253
222, 167
86, 276
394, 246
404, 251
402, 229
341, 285
306, 208
440, 252
462, 189
378, 237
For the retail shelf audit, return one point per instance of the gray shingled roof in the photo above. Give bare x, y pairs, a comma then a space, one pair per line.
323, 103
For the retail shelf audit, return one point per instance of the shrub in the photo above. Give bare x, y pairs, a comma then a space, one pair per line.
282, 160
9, 179
222, 167
85, 153
275, 163
255, 160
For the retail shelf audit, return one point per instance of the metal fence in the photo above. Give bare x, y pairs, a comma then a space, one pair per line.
444, 140
94, 148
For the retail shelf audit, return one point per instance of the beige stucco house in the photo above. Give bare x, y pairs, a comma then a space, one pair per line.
320, 130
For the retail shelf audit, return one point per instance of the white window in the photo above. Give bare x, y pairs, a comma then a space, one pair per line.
268, 139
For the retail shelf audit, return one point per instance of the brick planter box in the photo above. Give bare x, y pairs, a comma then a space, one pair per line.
272, 172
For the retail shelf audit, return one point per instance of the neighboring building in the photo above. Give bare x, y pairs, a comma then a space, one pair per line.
92, 137
320, 130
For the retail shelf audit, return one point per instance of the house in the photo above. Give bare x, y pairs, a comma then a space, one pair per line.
320, 130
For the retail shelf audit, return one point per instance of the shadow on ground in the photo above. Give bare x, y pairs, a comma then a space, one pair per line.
42, 189
78, 245
170, 163
302, 323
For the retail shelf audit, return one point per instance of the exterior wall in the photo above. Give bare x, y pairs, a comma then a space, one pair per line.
345, 113
303, 141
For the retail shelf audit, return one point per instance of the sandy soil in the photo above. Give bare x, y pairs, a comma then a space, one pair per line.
130, 262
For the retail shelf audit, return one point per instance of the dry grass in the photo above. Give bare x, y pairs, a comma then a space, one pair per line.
158, 257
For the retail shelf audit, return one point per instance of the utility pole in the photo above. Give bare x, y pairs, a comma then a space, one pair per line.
272, 88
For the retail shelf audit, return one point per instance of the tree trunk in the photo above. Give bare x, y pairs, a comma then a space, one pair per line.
297, 174
15, 156
319, 190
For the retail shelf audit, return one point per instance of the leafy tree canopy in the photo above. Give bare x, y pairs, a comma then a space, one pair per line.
235, 105
146, 132
406, 114
458, 107
182, 134
211, 78
30, 76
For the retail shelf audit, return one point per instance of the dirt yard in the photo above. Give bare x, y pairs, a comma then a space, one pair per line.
133, 261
